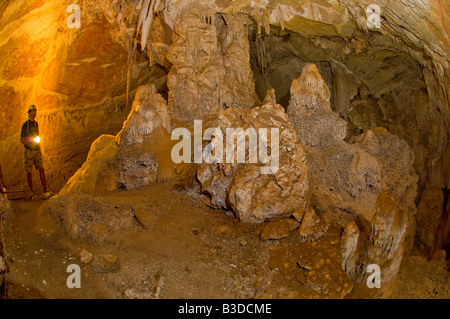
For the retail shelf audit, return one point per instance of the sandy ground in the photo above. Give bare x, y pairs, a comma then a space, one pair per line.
187, 251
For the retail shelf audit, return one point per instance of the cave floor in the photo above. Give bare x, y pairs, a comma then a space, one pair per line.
187, 250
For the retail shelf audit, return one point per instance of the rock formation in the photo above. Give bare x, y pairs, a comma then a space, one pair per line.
76, 78
128, 160
210, 69
379, 242
429, 215
363, 131
258, 190
312, 227
5, 210
149, 110
343, 176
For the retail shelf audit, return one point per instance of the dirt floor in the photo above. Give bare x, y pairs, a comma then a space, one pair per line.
187, 250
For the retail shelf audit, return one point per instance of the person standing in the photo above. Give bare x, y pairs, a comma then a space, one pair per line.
29, 137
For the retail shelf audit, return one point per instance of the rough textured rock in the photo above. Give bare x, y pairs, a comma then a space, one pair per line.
149, 110
5, 210
430, 211
94, 177
398, 176
76, 77
131, 158
310, 111
253, 195
136, 166
343, 176
312, 227
278, 229
210, 66
85, 257
380, 242
86, 216
105, 263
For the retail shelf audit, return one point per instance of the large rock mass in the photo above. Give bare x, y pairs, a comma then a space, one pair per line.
210, 65
258, 190
130, 159
347, 177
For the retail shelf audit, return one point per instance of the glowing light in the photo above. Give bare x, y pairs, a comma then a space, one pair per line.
37, 139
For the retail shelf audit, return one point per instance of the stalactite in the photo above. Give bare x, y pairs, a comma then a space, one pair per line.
261, 54
130, 67
282, 14
147, 10
258, 16
281, 17
145, 21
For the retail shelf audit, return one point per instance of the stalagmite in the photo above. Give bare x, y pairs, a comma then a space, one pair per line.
380, 242
148, 9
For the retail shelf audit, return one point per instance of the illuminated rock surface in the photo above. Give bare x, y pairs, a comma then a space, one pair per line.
364, 170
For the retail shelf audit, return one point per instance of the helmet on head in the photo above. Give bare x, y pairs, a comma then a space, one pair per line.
31, 108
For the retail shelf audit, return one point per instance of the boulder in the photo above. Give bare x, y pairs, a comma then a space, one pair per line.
258, 191
94, 175
136, 166
130, 159
105, 264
